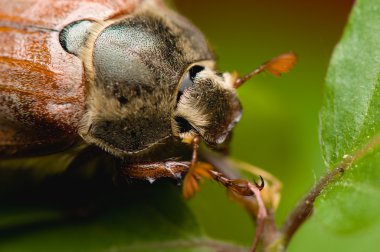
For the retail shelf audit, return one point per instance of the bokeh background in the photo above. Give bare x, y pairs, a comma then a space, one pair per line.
279, 128
278, 132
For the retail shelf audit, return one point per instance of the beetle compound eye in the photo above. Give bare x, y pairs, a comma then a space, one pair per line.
188, 79
194, 70
183, 124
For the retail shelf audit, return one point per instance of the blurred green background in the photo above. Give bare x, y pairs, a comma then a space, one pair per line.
279, 128
278, 132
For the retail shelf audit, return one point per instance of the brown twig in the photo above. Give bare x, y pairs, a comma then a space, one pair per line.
305, 207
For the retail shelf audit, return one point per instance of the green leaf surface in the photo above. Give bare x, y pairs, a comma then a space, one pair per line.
66, 213
350, 123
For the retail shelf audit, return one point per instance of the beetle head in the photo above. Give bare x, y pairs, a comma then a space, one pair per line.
206, 101
206, 104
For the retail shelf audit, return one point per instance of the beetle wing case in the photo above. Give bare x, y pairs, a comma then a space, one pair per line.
42, 87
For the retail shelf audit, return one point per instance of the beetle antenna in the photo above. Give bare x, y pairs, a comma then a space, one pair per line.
276, 66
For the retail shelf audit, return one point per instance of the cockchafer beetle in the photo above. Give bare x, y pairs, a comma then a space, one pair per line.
129, 76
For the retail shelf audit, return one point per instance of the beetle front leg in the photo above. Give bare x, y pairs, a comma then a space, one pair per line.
194, 158
155, 170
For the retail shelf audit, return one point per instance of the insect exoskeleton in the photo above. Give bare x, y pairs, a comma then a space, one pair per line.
130, 77
150, 76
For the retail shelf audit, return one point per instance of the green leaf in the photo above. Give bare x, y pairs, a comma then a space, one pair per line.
67, 213
350, 123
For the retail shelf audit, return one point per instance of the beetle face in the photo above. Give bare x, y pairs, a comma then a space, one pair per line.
207, 105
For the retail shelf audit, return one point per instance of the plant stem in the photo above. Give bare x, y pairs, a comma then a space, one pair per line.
305, 207
272, 238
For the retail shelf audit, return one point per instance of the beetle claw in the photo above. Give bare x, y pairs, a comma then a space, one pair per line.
262, 184
240, 186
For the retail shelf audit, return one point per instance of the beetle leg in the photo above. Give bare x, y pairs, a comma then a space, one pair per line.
240, 186
245, 188
196, 171
165, 169
261, 214
262, 184
155, 170
194, 158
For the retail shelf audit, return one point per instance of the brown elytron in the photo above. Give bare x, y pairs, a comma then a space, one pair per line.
42, 91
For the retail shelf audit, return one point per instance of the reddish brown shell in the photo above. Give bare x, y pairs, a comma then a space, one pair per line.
42, 90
